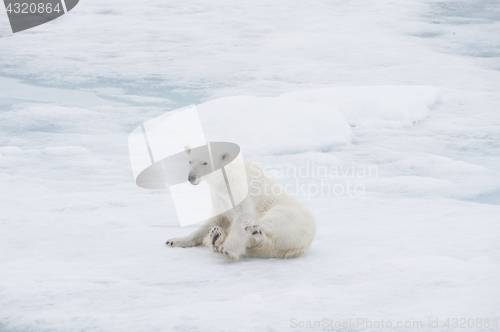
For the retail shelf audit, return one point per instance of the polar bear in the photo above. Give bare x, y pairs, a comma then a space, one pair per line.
268, 223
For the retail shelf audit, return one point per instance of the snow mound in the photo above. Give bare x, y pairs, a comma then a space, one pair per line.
271, 126
410, 186
374, 106
10, 151
65, 151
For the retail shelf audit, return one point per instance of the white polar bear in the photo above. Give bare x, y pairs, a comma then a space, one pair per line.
269, 222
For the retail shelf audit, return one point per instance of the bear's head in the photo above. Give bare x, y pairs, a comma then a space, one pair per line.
201, 164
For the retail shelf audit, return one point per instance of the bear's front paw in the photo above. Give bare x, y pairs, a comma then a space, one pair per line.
179, 242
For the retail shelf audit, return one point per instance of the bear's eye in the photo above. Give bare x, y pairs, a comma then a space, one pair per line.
205, 164
190, 162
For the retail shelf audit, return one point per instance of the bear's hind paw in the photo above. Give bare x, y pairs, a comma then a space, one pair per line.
253, 230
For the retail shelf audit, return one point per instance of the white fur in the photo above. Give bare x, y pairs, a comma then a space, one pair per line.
269, 222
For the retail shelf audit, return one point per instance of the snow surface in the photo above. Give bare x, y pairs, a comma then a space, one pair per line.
82, 247
375, 105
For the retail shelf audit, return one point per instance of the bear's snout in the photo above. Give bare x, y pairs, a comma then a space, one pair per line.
191, 178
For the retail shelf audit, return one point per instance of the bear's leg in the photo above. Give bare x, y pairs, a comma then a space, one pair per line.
196, 237
237, 239
247, 239
232, 246
287, 232
261, 234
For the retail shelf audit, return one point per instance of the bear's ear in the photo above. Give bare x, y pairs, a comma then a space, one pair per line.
187, 148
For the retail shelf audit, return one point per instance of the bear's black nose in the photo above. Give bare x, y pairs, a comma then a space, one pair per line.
191, 178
